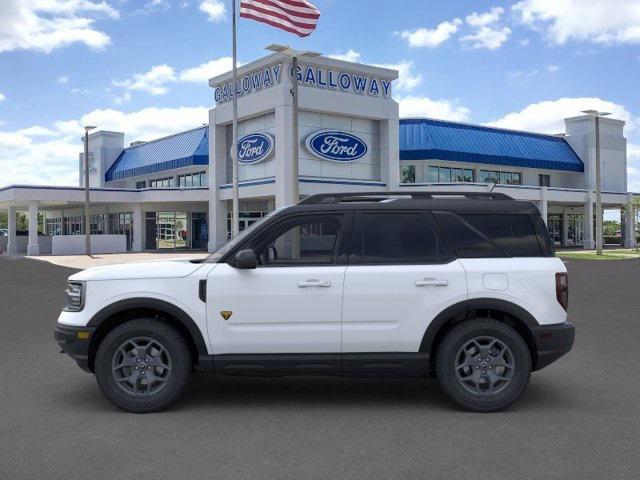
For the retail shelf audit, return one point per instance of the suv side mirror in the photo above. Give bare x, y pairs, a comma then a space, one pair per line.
245, 260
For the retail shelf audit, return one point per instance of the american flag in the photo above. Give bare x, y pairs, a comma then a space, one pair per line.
294, 16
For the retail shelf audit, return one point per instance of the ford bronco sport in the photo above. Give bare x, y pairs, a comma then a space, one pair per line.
461, 287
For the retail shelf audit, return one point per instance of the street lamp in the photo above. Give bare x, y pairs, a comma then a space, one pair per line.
294, 55
596, 114
87, 216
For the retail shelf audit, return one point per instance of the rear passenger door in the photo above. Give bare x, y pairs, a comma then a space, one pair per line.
401, 274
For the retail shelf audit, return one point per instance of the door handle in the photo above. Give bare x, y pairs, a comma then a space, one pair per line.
313, 283
431, 282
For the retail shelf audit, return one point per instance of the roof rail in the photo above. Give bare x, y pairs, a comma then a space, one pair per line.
378, 196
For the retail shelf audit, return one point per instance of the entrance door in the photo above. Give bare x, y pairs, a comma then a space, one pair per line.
292, 302
554, 225
575, 229
402, 273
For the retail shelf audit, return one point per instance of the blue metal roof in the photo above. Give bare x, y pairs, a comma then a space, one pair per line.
176, 151
427, 139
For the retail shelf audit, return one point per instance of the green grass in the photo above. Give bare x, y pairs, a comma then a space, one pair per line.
617, 254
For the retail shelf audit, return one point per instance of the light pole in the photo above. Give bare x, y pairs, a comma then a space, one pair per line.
596, 114
87, 216
295, 145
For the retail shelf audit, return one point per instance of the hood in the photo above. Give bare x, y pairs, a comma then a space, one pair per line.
140, 270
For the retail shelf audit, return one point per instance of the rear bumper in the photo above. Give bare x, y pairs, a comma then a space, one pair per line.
552, 342
73, 344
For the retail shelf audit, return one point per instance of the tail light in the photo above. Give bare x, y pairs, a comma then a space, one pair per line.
562, 289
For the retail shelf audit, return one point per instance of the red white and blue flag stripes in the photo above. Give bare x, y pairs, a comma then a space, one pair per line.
295, 16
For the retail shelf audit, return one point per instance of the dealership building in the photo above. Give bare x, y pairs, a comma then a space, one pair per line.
175, 193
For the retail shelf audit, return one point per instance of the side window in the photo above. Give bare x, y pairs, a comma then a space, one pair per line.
409, 238
303, 241
467, 241
512, 233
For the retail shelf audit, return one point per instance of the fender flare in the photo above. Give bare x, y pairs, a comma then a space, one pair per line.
153, 303
466, 306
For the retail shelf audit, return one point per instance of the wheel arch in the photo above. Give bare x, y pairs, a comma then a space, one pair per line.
122, 311
501, 310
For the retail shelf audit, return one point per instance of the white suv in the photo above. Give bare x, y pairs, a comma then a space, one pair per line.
463, 287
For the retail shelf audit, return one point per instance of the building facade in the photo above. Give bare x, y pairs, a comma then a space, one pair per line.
174, 193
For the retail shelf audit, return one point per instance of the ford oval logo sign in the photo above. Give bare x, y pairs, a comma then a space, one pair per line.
336, 146
255, 147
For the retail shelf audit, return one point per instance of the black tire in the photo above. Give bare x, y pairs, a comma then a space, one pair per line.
171, 375
480, 392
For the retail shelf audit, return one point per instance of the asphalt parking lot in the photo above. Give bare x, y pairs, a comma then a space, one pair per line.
579, 419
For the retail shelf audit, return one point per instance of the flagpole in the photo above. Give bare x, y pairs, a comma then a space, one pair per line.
295, 183
235, 221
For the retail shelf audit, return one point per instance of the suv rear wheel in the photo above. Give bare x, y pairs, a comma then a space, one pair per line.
143, 365
483, 365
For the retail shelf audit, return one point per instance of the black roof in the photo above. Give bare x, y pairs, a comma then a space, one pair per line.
458, 202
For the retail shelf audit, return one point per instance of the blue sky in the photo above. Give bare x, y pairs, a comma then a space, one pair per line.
141, 66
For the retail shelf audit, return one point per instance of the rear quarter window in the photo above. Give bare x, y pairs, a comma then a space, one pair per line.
490, 235
514, 234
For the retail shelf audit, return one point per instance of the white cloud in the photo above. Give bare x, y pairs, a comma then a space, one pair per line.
120, 99
486, 18
487, 37
596, 21
420, 106
526, 75
203, 72
525, 42
45, 25
214, 9
424, 37
157, 80
48, 155
154, 81
2, 96
63, 79
349, 56
407, 78
548, 116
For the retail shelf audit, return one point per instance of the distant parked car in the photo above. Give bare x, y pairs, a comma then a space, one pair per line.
4, 232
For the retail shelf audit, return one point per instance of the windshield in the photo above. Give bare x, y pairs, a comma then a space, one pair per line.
231, 244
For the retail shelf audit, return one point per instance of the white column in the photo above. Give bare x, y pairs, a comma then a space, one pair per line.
390, 151
589, 241
138, 220
12, 246
629, 223
33, 248
218, 209
283, 156
542, 205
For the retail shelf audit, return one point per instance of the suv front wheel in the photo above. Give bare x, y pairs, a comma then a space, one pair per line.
483, 365
143, 365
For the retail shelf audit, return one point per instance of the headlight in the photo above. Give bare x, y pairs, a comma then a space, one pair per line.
74, 297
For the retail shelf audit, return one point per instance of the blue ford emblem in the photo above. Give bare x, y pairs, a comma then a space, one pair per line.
255, 147
336, 146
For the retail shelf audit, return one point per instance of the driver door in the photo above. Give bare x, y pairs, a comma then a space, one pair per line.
291, 303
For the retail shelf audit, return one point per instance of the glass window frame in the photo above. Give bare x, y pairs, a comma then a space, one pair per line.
272, 232
356, 259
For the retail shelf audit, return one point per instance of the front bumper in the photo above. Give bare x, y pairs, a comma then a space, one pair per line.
74, 341
552, 342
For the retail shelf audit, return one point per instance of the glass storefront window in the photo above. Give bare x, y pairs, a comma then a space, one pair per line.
176, 230
190, 180
408, 174
446, 174
504, 178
